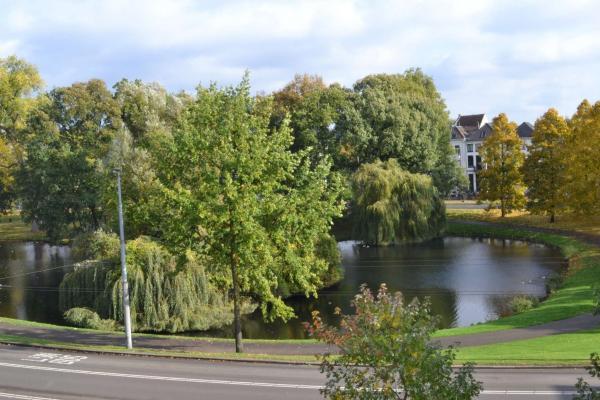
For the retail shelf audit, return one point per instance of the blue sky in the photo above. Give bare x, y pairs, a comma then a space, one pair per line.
518, 57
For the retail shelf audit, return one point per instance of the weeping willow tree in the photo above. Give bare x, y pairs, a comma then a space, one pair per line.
392, 205
167, 293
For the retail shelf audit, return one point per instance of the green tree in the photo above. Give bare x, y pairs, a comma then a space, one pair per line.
18, 81
8, 163
407, 120
583, 169
234, 191
391, 205
68, 137
386, 352
544, 168
501, 179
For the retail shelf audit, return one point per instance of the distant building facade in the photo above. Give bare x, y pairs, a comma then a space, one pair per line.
468, 133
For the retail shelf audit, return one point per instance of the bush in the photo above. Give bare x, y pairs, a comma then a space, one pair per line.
386, 349
522, 303
86, 318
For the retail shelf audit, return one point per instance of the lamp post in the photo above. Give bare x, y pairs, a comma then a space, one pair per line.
126, 310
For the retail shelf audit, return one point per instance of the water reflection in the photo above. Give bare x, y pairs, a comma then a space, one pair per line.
468, 280
29, 277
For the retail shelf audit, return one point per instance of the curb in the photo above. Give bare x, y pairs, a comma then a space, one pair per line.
272, 362
157, 355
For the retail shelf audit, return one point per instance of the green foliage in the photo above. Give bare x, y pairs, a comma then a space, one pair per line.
18, 81
386, 352
545, 166
584, 390
406, 119
522, 303
501, 179
392, 205
8, 163
168, 293
68, 136
85, 318
582, 187
235, 192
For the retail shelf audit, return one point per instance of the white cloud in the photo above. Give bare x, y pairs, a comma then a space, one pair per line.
491, 56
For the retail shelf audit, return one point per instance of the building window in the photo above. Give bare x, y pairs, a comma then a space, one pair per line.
471, 183
457, 150
477, 146
478, 164
471, 162
470, 147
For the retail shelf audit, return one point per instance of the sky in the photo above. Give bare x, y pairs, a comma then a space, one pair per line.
519, 57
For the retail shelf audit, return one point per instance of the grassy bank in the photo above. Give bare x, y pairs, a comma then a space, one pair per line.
587, 224
574, 297
564, 349
13, 228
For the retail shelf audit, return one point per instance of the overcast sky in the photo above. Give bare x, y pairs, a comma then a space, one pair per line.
518, 57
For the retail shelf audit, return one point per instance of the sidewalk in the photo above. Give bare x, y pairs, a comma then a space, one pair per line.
72, 336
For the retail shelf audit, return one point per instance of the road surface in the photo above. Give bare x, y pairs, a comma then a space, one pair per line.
33, 374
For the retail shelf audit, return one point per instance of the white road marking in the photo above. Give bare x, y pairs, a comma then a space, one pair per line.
23, 397
242, 383
54, 358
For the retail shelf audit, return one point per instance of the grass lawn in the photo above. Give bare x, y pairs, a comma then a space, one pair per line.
575, 295
577, 223
12, 228
565, 349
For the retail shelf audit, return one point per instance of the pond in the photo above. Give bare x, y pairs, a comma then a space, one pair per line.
467, 280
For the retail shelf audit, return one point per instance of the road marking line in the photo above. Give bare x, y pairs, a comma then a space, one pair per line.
23, 397
243, 383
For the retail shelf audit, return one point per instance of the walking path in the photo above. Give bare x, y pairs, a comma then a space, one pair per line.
72, 336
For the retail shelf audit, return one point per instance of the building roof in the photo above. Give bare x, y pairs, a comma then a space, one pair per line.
473, 120
469, 128
525, 130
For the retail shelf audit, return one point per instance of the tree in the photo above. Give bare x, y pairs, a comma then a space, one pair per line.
584, 390
501, 179
68, 137
407, 120
391, 205
235, 192
386, 352
18, 81
544, 168
582, 190
8, 163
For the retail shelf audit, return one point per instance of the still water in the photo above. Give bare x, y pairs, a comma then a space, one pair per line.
467, 280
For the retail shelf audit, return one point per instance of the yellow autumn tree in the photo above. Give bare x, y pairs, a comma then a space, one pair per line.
582, 155
500, 179
544, 169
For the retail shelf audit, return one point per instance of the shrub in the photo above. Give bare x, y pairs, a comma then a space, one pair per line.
386, 352
86, 318
522, 303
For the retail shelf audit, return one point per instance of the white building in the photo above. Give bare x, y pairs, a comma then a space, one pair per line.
468, 132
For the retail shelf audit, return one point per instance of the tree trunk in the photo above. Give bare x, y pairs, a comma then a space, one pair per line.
552, 218
237, 317
237, 313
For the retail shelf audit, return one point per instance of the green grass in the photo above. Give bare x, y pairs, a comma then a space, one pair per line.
575, 295
13, 228
565, 349
31, 324
43, 343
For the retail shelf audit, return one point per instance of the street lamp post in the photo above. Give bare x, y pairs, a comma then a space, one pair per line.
126, 310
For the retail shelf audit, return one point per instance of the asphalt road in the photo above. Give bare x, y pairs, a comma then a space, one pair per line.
33, 374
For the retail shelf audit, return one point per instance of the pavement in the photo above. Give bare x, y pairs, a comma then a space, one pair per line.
31, 374
580, 322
